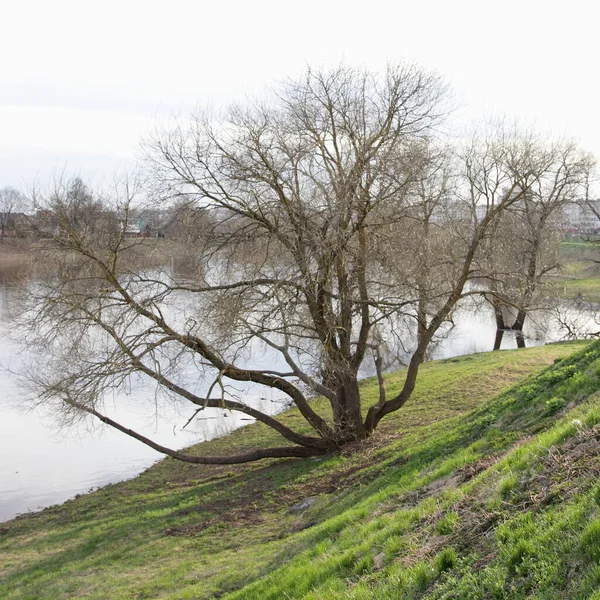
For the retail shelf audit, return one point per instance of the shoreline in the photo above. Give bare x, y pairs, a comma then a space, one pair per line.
243, 531
198, 446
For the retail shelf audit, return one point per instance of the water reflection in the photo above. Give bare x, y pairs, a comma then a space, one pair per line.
40, 466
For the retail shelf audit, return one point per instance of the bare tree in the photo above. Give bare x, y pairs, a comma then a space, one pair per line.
523, 243
11, 202
317, 203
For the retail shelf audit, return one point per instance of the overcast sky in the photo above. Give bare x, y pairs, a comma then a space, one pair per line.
80, 82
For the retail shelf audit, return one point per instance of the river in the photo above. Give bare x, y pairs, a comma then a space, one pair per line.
41, 465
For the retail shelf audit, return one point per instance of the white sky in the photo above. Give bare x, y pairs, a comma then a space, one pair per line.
80, 82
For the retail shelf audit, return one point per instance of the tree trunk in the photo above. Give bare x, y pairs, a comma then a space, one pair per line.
347, 414
520, 320
518, 327
500, 324
498, 339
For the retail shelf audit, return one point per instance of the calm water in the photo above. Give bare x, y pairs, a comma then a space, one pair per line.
41, 466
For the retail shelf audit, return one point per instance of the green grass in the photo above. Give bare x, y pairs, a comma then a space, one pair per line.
579, 273
483, 486
587, 289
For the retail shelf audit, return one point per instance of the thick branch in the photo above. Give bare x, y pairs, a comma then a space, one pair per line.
253, 455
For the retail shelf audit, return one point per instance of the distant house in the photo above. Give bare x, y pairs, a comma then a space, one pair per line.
582, 219
139, 226
16, 225
131, 229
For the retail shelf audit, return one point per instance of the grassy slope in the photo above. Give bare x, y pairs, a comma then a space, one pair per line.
579, 272
463, 494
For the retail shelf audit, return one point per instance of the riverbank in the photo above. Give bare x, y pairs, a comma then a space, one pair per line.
20, 253
14, 254
407, 511
579, 278
42, 466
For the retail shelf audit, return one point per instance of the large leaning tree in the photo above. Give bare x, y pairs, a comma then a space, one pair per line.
335, 219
